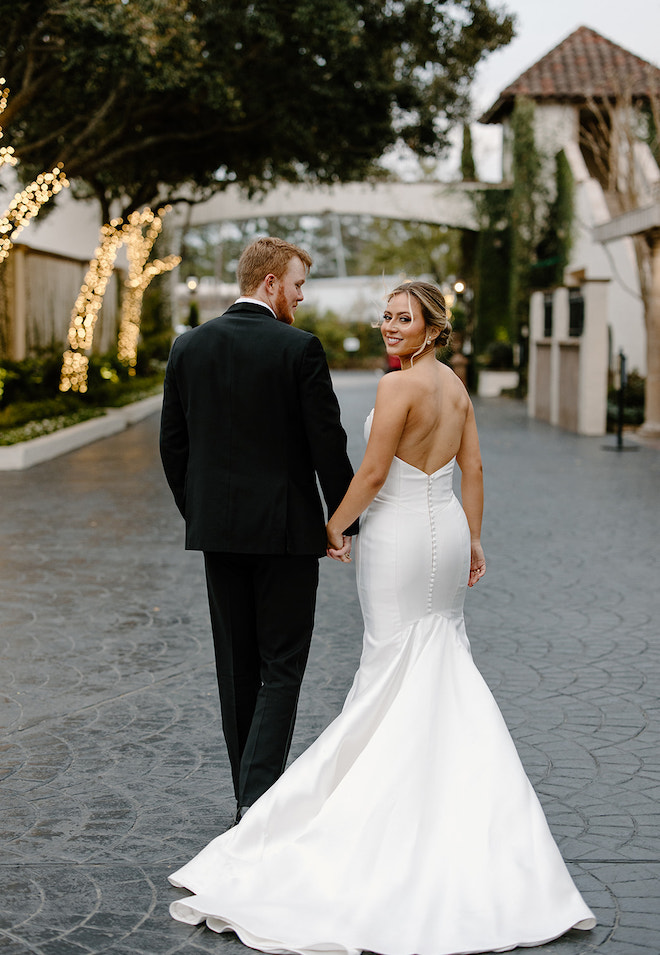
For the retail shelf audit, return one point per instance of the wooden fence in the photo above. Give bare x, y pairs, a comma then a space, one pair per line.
37, 293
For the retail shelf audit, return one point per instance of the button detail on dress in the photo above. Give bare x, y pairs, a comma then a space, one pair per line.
434, 555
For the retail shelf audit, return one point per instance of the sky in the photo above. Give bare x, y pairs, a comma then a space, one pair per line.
541, 25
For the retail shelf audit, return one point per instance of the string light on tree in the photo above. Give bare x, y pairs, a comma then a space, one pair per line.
140, 273
27, 203
85, 312
7, 156
86, 309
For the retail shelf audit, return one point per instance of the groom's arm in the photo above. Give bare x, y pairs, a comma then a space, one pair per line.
325, 434
174, 439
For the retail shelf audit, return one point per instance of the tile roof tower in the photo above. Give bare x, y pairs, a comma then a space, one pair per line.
585, 66
585, 90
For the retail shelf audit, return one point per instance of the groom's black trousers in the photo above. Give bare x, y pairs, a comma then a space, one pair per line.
262, 616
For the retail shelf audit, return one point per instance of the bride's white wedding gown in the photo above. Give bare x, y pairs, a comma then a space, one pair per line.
409, 827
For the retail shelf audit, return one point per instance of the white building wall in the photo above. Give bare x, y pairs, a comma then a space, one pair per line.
556, 127
576, 401
592, 410
614, 262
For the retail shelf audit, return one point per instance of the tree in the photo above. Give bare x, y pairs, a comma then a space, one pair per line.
610, 131
150, 101
22, 207
526, 212
141, 99
138, 233
27, 203
414, 248
492, 266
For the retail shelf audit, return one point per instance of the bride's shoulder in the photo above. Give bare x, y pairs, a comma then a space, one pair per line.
397, 386
390, 384
455, 386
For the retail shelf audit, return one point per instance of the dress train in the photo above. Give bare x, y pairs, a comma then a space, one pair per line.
409, 826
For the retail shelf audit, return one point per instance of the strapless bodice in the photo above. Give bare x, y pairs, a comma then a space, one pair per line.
411, 488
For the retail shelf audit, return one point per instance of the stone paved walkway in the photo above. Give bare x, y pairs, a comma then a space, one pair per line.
113, 773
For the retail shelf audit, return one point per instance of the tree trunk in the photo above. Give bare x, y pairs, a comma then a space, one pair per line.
651, 426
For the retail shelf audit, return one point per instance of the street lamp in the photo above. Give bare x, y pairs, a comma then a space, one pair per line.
193, 307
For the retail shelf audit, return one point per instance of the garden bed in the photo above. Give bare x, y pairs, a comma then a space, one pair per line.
51, 437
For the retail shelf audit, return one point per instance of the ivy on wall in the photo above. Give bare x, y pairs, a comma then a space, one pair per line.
491, 273
553, 252
525, 212
525, 240
468, 167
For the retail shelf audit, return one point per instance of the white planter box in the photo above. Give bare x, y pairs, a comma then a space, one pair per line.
17, 457
493, 383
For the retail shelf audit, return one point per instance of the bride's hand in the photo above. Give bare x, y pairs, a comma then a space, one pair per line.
477, 563
339, 546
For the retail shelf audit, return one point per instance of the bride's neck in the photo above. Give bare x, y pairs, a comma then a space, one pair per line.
413, 360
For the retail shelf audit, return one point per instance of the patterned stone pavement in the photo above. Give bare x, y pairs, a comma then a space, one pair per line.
112, 769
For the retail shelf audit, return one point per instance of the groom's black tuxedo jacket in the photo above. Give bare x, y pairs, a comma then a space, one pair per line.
249, 420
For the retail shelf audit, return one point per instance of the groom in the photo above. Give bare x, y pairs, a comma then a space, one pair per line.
249, 422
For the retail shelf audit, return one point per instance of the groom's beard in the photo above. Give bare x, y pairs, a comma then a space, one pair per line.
283, 310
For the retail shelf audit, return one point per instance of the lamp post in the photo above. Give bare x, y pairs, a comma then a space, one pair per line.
461, 360
193, 307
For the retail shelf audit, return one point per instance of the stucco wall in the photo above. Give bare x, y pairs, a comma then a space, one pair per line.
556, 127
614, 262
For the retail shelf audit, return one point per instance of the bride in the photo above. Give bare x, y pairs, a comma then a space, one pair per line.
409, 827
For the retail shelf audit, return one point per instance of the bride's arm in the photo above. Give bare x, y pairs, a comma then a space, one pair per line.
390, 414
472, 493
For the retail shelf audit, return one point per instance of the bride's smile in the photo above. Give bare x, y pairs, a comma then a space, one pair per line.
403, 327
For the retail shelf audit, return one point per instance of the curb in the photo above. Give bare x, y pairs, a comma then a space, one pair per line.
17, 457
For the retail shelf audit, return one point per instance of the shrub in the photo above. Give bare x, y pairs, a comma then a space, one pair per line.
633, 402
31, 403
332, 332
36, 428
20, 412
37, 379
499, 356
31, 379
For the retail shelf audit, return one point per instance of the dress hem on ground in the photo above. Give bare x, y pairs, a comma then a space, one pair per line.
409, 827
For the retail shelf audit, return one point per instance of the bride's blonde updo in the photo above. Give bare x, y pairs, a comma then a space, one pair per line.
434, 308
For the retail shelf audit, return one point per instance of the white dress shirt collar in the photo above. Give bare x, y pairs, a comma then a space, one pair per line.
253, 301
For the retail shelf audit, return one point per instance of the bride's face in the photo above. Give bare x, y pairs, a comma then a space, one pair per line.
403, 328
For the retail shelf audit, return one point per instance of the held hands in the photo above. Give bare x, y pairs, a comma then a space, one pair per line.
477, 563
339, 546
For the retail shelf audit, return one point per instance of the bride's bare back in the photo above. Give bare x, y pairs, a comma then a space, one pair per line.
436, 419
